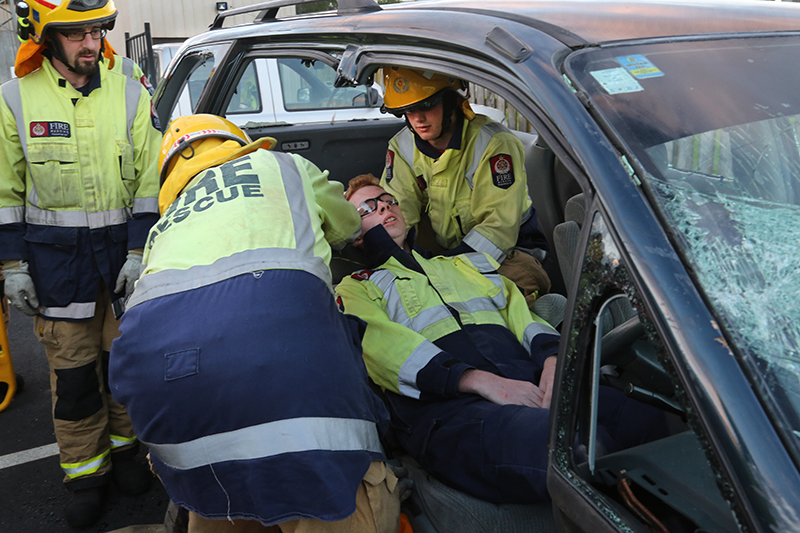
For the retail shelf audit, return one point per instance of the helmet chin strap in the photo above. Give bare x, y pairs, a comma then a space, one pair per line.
56, 52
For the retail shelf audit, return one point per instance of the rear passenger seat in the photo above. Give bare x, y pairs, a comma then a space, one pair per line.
550, 185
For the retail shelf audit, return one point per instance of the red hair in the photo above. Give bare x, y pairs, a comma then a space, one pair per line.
360, 181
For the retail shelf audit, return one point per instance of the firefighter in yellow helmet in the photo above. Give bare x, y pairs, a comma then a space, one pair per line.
235, 307
461, 176
77, 197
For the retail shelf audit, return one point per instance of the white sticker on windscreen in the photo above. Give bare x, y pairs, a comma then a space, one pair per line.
639, 66
617, 81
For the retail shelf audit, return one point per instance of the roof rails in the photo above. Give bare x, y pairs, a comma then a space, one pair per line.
268, 11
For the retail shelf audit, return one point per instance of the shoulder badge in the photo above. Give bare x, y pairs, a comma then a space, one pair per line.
362, 275
340, 303
154, 117
421, 182
389, 165
147, 85
502, 171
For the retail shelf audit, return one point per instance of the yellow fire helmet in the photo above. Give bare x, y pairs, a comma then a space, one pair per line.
195, 143
43, 14
406, 87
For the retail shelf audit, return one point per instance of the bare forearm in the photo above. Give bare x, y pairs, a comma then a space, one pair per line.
500, 390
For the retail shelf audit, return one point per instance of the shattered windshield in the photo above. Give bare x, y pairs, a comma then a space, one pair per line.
716, 124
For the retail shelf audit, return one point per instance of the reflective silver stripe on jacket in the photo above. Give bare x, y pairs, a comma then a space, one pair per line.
479, 243
13, 100
127, 66
487, 131
11, 215
384, 280
76, 311
270, 439
405, 146
174, 281
77, 219
532, 330
407, 377
301, 257
145, 205
133, 89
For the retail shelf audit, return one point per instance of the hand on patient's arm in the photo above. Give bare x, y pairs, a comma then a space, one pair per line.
500, 390
547, 380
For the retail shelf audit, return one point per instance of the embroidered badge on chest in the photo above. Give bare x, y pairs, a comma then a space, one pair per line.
422, 183
50, 129
361, 275
502, 171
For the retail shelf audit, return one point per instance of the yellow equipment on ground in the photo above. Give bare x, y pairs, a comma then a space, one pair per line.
8, 380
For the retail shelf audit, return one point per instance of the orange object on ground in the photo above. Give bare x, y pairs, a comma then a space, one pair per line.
405, 525
8, 380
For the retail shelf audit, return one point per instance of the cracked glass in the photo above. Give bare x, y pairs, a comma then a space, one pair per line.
724, 169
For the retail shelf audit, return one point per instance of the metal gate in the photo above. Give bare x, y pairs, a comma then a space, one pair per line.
140, 48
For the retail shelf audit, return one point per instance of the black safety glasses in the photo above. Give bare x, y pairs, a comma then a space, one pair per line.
370, 205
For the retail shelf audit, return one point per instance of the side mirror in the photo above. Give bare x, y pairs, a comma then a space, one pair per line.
304, 95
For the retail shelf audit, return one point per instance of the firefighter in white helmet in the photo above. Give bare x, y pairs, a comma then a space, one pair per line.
462, 176
235, 364
78, 153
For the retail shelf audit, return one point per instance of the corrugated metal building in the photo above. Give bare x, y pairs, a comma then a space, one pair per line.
174, 20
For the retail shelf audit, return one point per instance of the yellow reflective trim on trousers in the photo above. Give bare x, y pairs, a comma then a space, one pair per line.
85, 468
118, 441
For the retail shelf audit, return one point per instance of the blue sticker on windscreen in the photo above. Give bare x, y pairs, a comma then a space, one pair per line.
616, 81
639, 66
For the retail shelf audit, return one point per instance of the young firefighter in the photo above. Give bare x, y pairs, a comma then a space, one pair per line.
466, 368
237, 368
462, 172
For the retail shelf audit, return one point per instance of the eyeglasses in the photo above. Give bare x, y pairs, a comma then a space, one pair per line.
79, 35
370, 205
425, 105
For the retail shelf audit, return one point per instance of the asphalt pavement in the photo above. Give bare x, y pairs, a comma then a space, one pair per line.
32, 495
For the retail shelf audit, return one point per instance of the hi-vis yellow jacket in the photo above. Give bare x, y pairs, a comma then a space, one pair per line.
265, 210
408, 312
476, 193
80, 180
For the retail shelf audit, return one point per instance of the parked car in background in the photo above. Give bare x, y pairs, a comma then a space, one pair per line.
664, 166
280, 90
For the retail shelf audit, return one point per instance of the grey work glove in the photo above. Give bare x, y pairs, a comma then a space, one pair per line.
130, 272
19, 287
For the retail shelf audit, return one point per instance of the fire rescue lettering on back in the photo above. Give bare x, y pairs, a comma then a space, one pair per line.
237, 183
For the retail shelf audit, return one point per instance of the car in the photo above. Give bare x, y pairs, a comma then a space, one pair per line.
664, 165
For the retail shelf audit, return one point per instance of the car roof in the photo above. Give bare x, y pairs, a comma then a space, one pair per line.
600, 21
573, 22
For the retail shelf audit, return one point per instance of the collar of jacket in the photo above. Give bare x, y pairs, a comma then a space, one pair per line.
454, 144
379, 247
